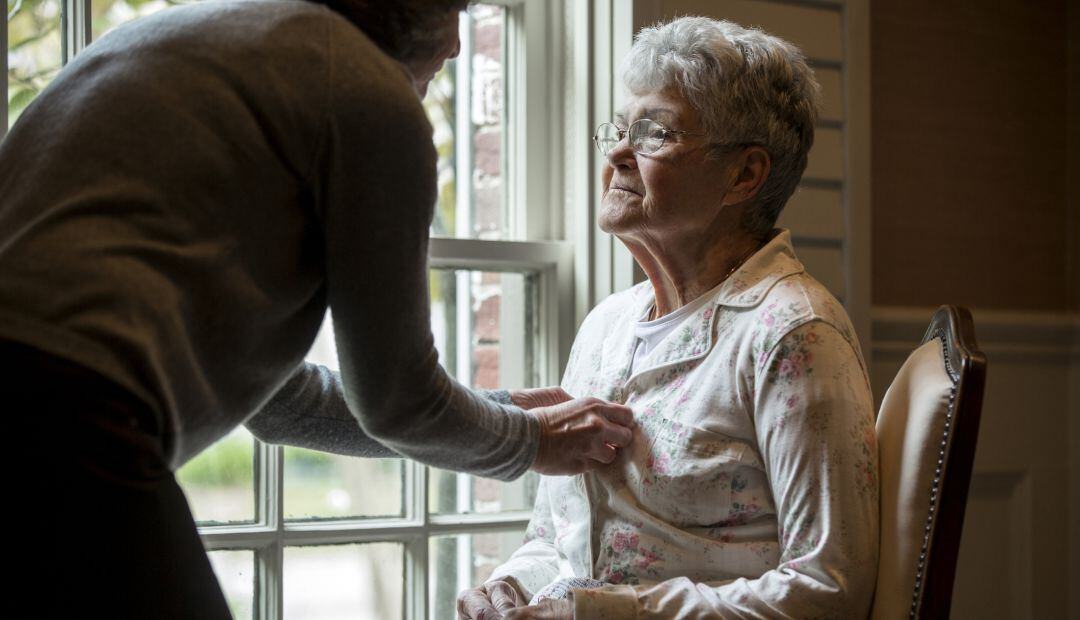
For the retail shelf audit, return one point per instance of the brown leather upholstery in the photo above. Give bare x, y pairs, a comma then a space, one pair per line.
927, 427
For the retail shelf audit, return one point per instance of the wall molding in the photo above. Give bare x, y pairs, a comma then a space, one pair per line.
1008, 336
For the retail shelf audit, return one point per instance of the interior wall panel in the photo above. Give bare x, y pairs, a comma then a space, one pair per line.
969, 152
827, 156
1025, 409
832, 93
826, 264
815, 213
816, 29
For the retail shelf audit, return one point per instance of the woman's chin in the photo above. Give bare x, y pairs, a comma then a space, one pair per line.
620, 218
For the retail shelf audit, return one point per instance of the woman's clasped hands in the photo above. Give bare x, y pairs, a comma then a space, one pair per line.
499, 600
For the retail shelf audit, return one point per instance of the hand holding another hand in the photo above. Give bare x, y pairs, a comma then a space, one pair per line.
580, 435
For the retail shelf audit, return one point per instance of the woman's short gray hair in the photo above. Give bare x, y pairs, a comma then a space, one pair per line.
748, 87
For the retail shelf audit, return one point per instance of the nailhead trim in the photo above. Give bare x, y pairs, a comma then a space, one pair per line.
934, 486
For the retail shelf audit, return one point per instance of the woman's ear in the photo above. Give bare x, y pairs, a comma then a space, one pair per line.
751, 168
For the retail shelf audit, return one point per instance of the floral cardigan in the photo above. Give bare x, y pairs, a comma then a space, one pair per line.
751, 487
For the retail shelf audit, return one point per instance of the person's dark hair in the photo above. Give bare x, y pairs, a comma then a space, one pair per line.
404, 29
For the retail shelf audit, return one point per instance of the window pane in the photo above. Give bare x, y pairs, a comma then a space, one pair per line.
33, 51
344, 581
220, 482
235, 572
466, 103
460, 562
450, 492
107, 14
486, 329
321, 485
486, 326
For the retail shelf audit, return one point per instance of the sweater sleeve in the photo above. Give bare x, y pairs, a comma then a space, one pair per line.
814, 421
376, 186
309, 411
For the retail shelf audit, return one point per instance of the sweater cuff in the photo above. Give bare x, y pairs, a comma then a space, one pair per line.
498, 396
607, 603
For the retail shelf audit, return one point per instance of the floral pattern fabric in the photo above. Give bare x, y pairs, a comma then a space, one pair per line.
750, 489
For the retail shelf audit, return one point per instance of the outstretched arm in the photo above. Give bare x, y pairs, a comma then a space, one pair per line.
309, 411
374, 181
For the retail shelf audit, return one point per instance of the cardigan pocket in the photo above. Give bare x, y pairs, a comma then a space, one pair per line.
692, 477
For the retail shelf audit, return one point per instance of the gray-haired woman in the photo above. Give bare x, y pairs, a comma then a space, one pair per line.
177, 210
750, 489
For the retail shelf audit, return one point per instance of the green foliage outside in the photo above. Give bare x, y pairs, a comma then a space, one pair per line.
35, 40
33, 50
228, 462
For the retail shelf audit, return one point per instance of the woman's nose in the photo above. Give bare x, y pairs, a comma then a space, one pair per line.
622, 154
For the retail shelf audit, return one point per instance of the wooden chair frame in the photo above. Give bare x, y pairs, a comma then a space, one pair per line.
966, 367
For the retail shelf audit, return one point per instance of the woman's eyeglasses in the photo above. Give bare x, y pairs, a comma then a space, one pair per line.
646, 136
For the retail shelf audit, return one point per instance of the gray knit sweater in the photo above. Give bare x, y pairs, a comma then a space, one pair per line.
180, 206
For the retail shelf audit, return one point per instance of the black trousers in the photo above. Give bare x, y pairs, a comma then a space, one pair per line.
102, 528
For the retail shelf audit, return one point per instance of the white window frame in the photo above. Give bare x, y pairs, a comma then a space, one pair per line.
532, 144
4, 87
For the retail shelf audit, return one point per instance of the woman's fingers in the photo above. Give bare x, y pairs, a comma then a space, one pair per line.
604, 453
580, 435
502, 595
619, 414
616, 436
475, 605
539, 397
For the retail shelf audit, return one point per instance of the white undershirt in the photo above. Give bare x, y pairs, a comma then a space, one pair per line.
650, 334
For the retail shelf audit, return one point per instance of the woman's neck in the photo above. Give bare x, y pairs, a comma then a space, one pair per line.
680, 272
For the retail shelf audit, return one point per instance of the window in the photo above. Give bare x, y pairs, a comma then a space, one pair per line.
298, 534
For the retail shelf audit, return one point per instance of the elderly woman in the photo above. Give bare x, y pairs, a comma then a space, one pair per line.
750, 489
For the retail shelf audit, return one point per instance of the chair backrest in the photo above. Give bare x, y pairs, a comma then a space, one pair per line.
927, 427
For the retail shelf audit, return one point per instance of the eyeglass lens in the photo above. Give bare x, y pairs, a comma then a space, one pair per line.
646, 136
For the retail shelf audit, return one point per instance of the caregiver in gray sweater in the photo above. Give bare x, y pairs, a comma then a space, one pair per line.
177, 210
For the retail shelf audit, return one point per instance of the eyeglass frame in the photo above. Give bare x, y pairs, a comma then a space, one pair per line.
625, 134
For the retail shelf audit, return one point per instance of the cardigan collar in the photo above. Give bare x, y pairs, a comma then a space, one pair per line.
745, 288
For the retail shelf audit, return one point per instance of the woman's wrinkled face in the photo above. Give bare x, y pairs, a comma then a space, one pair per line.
447, 45
671, 192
